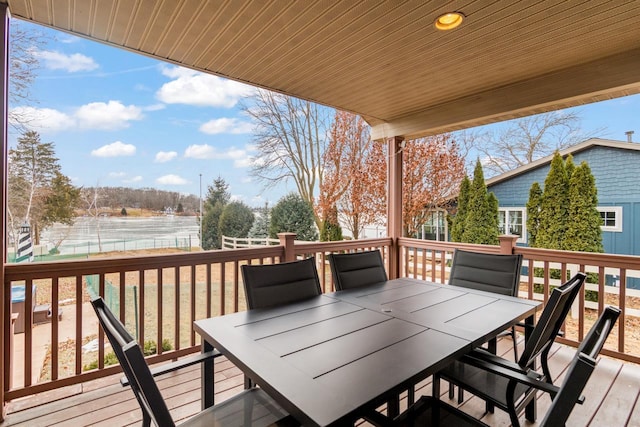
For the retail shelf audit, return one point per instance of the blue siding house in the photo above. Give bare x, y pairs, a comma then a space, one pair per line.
616, 168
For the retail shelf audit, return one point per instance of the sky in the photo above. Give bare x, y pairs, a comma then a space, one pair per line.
122, 119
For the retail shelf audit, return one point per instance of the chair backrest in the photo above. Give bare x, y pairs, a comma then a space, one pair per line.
551, 319
269, 285
580, 369
357, 269
121, 340
486, 272
150, 398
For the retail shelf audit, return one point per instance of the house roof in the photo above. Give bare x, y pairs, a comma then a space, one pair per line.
383, 59
585, 145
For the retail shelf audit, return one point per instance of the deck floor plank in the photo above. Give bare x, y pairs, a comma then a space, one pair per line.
612, 397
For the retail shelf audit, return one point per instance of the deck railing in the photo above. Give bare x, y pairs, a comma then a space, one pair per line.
158, 297
544, 269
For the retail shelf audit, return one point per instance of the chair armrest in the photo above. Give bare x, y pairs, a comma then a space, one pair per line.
530, 327
178, 364
487, 356
529, 379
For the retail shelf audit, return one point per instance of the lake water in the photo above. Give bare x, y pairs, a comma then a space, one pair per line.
122, 233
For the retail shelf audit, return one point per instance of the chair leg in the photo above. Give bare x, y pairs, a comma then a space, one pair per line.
435, 386
460, 395
452, 391
515, 343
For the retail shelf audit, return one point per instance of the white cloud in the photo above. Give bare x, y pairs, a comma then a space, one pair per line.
205, 90
117, 174
154, 107
43, 119
112, 115
240, 157
116, 149
171, 180
132, 179
204, 151
75, 62
165, 156
107, 116
226, 125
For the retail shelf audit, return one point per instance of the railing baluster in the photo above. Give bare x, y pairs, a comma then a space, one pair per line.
622, 305
159, 299
28, 332
54, 328
208, 286
100, 332
192, 301
581, 305
141, 295
235, 286
78, 343
223, 287
176, 310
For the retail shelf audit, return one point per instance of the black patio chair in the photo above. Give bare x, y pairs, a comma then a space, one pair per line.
270, 285
430, 411
357, 269
252, 407
509, 395
488, 272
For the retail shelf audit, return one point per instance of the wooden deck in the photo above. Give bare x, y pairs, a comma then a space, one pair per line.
611, 397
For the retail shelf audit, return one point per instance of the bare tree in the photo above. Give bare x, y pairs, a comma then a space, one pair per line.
91, 198
290, 138
23, 63
528, 139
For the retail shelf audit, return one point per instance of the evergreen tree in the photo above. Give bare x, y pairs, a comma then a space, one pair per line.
457, 222
481, 222
260, 228
32, 169
331, 230
554, 205
236, 220
583, 230
180, 208
533, 213
294, 215
492, 218
217, 197
61, 203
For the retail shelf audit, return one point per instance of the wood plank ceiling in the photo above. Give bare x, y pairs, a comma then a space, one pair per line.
383, 59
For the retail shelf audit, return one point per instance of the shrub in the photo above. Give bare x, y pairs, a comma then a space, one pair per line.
148, 349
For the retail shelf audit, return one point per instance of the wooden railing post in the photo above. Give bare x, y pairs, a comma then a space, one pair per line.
287, 240
395, 147
507, 243
5, 294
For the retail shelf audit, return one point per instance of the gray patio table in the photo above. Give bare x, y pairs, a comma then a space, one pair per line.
330, 359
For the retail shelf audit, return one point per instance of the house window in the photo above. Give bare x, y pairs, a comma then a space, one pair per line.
611, 218
512, 221
435, 226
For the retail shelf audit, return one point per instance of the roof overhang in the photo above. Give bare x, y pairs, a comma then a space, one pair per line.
383, 59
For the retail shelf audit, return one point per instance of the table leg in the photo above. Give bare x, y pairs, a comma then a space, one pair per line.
207, 379
531, 409
393, 407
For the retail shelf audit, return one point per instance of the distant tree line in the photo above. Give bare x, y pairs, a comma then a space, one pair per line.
144, 198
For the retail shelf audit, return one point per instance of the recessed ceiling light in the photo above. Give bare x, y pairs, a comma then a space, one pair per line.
449, 21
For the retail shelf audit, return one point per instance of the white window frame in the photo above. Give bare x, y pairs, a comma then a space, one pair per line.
617, 210
523, 210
